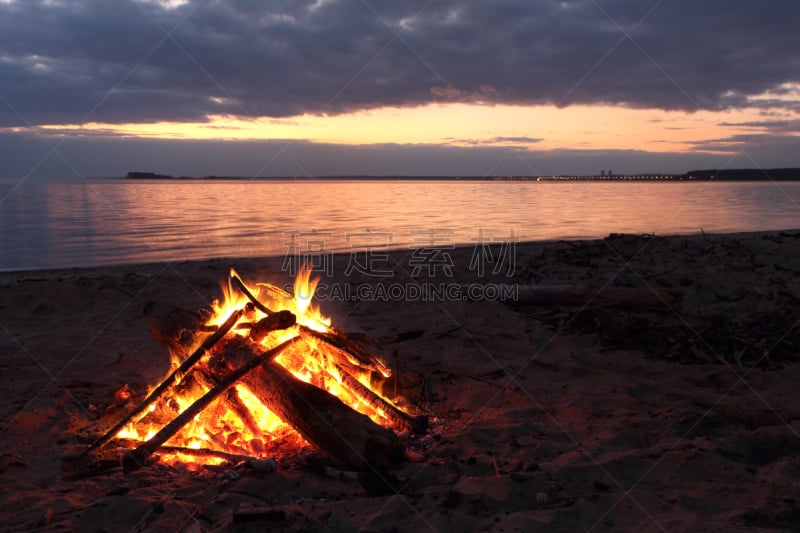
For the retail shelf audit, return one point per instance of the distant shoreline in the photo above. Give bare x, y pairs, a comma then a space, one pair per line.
774, 174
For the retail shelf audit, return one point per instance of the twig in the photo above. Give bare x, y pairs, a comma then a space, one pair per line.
236, 280
206, 452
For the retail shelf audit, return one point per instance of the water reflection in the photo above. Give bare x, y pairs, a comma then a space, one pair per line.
68, 224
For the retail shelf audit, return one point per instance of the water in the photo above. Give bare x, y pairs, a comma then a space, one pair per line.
115, 221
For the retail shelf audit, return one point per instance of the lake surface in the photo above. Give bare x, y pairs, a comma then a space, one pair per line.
57, 224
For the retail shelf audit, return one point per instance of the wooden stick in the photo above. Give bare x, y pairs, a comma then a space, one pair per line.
195, 452
417, 424
242, 411
205, 453
350, 351
207, 344
236, 280
136, 458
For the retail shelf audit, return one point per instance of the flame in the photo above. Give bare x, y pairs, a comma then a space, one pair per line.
221, 429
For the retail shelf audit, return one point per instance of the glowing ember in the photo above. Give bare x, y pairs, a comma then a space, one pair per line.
250, 428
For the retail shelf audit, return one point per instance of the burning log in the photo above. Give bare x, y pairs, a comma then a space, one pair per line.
347, 436
206, 345
136, 458
265, 326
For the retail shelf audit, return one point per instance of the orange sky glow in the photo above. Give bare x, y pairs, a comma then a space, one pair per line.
460, 124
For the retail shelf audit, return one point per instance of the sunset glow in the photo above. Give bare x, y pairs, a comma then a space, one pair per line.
530, 127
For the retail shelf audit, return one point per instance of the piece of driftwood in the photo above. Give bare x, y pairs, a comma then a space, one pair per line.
184, 367
346, 436
136, 458
572, 295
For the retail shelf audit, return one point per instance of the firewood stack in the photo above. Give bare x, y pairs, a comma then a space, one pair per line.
223, 367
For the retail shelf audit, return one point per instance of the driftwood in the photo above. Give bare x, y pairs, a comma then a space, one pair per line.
136, 458
571, 295
206, 345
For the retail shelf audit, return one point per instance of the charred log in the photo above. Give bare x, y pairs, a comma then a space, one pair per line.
346, 436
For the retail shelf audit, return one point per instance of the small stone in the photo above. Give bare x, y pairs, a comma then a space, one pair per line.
264, 466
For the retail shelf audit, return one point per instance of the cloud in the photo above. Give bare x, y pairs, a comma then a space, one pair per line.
141, 61
756, 149
772, 126
505, 141
520, 140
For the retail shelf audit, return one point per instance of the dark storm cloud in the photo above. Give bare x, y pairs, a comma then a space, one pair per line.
69, 61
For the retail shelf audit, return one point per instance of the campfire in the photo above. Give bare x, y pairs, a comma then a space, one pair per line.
262, 367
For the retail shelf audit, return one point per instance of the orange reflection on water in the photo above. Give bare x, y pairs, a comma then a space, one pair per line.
125, 222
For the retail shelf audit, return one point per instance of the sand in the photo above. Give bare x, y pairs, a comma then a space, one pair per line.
560, 418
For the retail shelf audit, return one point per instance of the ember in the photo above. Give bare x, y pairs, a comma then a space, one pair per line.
263, 366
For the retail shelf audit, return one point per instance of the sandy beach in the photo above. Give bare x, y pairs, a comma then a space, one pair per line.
584, 416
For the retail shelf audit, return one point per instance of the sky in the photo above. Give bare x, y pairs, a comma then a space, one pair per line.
95, 88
